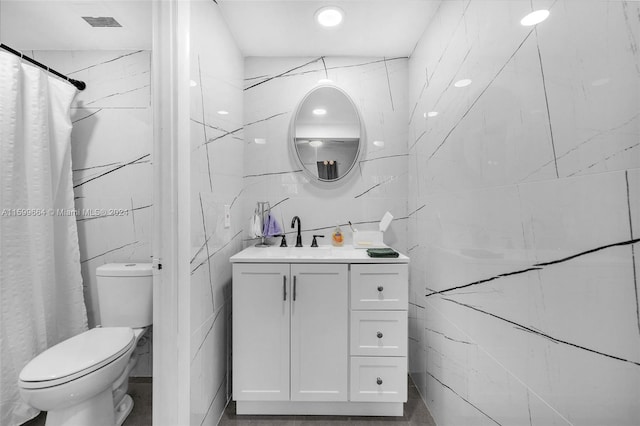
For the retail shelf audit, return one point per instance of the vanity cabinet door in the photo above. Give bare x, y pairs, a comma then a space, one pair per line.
319, 332
261, 314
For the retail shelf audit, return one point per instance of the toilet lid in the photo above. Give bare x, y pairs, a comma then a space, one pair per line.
77, 356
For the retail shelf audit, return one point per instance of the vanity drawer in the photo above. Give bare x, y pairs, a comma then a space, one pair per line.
379, 333
378, 379
380, 286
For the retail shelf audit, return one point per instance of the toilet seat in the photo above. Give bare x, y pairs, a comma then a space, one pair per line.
77, 357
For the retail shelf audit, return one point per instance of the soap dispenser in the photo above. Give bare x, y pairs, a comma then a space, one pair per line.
337, 239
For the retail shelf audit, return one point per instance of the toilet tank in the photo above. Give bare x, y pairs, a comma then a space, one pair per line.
125, 294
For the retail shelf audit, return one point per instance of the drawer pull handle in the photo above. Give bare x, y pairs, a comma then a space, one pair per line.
379, 334
284, 287
294, 288
380, 288
379, 381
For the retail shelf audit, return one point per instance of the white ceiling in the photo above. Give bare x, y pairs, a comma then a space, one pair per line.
58, 25
288, 27
260, 27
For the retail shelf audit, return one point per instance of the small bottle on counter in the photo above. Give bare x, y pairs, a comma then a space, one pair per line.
337, 239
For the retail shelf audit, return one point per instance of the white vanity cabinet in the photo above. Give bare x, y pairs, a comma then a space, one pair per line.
319, 332
290, 342
379, 332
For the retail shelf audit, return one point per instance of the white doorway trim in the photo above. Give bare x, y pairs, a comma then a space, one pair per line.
171, 200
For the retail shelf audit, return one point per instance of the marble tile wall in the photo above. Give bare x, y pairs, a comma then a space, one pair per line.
273, 87
216, 180
111, 158
524, 197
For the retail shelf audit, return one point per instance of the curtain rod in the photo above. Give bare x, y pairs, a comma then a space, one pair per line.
80, 85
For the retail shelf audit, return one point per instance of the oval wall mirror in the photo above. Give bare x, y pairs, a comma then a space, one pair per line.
326, 133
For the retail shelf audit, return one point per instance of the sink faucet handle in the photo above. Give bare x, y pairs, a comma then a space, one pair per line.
283, 243
314, 243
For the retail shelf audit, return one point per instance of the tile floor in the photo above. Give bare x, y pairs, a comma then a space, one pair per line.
415, 413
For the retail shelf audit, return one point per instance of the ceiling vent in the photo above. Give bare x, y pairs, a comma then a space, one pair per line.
102, 21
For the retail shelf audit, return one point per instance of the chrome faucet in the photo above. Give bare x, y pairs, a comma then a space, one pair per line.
293, 225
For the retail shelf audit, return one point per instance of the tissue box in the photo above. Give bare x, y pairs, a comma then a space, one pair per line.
368, 239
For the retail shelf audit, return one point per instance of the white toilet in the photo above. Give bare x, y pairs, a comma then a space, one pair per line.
83, 380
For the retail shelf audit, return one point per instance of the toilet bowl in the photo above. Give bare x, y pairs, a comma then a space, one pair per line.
123, 403
83, 380
65, 379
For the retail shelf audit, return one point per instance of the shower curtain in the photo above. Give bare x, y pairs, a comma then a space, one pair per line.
41, 292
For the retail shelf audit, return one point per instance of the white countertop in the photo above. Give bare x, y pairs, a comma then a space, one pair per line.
321, 254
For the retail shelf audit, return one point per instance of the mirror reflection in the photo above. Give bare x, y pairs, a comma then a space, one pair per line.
326, 133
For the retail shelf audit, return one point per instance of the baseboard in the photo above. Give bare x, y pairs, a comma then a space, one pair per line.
299, 408
140, 379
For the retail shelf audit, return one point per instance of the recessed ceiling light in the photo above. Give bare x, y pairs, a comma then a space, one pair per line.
324, 81
260, 141
222, 112
192, 83
319, 111
329, 16
432, 113
315, 144
534, 17
462, 83
378, 143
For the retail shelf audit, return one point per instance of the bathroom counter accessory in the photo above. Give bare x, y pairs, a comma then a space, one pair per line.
320, 254
368, 239
383, 253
